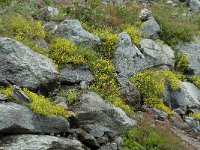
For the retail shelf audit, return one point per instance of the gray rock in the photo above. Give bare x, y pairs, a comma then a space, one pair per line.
109, 146
19, 96
87, 139
52, 11
23, 67
160, 115
39, 142
16, 118
72, 30
128, 59
97, 133
119, 142
194, 4
192, 49
50, 26
187, 96
3, 97
42, 43
95, 113
129, 92
145, 14
151, 28
75, 74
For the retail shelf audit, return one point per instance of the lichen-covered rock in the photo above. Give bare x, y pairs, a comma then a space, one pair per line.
128, 59
23, 67
145, 14
16, 118
151, 28
185, 97
39, 142
73, 31
194, 4
95, 113
75, 74
192, 50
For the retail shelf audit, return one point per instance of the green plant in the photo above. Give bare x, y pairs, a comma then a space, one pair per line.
41, 105
70, 95
6, 91
196, 116
181, 63
63, 51
151, 84
196, 80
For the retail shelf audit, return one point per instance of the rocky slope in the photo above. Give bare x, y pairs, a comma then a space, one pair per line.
107, 75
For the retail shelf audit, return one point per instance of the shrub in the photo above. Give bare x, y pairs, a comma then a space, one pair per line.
63, 51
151, 84
41, 105
181, 63
196, 80
24, 30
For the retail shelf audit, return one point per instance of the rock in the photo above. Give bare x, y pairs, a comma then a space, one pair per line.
185, 97
72, 30
51, 26
52, 11
3, 97
151, 28
129, 92
128, 59
119, 142
42, 43
194, 4
95, 113
109, 146
25, 68
19, 95
103, 140
83, 85
178, 122
160, 115
75, 74
97, 133
39, 142
87, 139
194, 126
191, 49
16, 118
61, 101
145, 14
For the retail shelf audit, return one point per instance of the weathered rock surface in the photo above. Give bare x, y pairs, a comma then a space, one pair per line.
191, 49
39, 142
186, 97
16, 118
72, 30
151, 28
3, 97
129, 92
145, 14
194, 4
95, 113
128, 59
23, 67
75, 74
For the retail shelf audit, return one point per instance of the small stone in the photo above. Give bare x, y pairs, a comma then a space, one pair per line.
97, 133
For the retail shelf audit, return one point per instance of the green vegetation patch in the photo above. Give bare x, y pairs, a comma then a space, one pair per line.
151, 84
181, 63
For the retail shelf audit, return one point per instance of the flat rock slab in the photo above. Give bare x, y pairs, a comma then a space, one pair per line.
15, 118
39, 142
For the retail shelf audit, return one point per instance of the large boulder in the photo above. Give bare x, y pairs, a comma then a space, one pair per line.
16, 118
23, 67
192, 50
39, 142
194, 4
75, 74
129, 92
128, 59
151, 28
95, 113
72, 30
185, 97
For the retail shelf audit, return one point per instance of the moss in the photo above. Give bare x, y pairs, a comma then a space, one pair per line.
151, 84
63, 51
6, 91
181, 63
133, 32
25, 30
41, 105
196, 116
70, 95
196, 80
